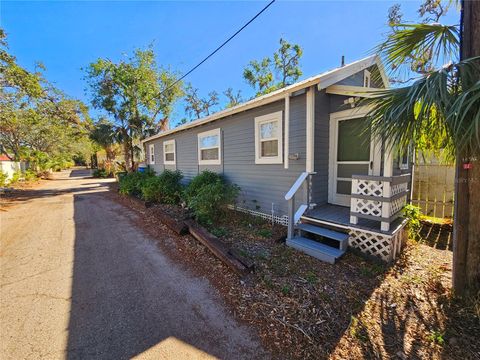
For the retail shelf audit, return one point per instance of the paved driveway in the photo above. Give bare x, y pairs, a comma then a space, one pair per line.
80, 281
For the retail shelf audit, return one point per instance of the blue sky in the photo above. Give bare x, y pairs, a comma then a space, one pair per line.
67, 36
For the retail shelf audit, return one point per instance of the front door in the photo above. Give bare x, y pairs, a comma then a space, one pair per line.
351, 153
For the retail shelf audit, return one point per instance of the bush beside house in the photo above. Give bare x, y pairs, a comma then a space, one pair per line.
165, 188
207, 195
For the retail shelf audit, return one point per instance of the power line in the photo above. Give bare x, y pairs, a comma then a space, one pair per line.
218, 48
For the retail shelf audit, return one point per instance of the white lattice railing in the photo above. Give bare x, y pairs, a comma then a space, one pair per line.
378, 198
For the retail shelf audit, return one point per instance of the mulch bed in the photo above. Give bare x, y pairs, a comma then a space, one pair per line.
306, 309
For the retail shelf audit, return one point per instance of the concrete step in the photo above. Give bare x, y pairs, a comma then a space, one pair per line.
314, 248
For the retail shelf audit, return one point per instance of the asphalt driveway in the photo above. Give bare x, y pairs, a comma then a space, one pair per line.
78, 280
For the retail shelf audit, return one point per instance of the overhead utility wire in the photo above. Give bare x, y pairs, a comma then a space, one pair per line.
218, 48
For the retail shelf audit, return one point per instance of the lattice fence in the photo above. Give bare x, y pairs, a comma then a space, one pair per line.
369, 188
398, 188
385, 247
367, 207
282, 220
397, 205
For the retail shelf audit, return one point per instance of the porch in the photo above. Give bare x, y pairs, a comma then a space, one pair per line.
339, 217
373, 223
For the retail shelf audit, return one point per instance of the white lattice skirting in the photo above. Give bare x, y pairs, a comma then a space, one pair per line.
282, 220
385, 247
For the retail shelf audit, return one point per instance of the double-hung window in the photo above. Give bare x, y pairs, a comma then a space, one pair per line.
169, 156
268, 139
151, 154
209, 147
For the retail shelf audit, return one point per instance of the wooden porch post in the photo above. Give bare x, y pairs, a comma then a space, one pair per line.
388, 159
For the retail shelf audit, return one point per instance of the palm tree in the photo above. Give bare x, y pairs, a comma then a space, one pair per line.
443, 101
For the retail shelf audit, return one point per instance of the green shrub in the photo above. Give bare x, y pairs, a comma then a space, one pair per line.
412, 214
208, 195
30, 175
101, 173
132, 183
3, 178
165, 188
206, 177
220, 232
266, 233
17, 175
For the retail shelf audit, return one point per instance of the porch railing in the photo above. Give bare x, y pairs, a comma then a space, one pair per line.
294, 213
378, 198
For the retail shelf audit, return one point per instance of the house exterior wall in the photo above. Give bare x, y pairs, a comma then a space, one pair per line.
322, 128
263, 186
357, 78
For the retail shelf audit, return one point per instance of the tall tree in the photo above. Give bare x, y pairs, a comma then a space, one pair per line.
103, 134
274, 73
136, 93
36, 117
443, 99
234, 98
198, 106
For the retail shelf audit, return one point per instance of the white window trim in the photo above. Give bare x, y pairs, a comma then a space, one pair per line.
169, 162
210, 133
276, 116
151, 151
367, 79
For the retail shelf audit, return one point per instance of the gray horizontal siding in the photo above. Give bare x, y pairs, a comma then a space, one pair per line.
322, 126
262, 185
357, 78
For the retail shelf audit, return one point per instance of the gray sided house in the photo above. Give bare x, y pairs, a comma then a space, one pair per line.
302, 157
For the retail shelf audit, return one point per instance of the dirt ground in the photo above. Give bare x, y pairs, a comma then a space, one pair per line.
79, 280
89, 273
356, 309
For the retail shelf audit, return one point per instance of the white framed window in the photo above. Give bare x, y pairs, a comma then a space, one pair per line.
169, 155
151, 154
209, 147
268, 139
367, 78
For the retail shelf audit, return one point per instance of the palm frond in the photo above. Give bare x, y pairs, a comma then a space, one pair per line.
422, 43
440, 109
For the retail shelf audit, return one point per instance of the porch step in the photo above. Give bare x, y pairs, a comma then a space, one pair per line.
317, 250
317, 230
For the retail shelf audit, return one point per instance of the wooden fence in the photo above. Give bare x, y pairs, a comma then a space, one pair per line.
433, 189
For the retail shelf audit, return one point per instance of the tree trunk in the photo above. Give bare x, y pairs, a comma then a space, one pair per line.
466, 236
132, 152
126, 153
